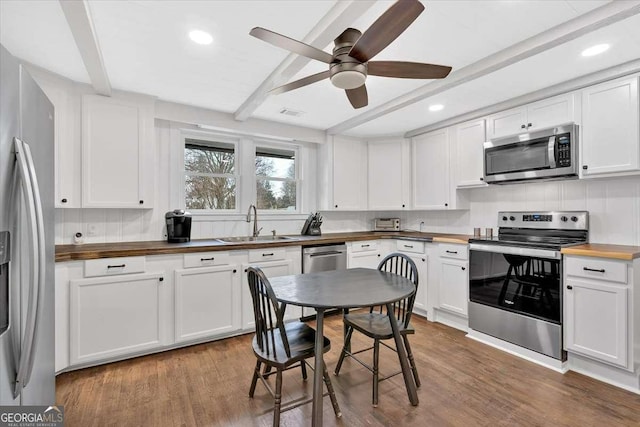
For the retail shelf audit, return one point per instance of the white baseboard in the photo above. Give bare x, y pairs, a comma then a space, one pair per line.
626, 380
450, 319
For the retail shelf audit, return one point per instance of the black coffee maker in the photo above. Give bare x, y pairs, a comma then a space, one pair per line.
178, 226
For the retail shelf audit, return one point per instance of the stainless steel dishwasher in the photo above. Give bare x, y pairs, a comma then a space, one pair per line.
322, 258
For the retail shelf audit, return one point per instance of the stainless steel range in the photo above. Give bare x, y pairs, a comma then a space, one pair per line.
515, 279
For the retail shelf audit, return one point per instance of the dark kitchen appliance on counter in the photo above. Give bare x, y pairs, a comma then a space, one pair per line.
515, 279
545, 154
178, 226
312, 225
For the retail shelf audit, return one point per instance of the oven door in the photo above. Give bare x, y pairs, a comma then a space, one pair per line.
520, 280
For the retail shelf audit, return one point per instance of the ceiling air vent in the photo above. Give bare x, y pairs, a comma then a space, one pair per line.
290, 112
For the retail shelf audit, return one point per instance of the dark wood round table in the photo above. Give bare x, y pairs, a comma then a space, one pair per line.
352, 288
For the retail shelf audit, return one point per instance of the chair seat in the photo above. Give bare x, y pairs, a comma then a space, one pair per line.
302, 340
374, 325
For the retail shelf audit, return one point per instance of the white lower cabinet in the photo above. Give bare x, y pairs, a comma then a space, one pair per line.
114, 316
271, 269
418, 254
453, 286
369, 259
206, 302
599, 310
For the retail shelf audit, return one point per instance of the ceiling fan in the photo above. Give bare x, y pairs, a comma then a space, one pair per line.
350, 63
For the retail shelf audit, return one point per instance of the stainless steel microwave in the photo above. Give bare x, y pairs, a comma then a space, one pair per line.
545, 154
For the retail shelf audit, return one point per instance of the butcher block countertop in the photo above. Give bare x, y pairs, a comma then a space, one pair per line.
626, 253
161, 247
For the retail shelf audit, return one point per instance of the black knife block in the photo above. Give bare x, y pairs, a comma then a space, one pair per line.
312, 226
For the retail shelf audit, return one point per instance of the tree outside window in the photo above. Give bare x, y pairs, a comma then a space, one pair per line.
276, 180
210, 175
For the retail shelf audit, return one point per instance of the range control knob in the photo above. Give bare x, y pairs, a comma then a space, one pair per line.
504, 218
512, 218
564, 218
574, 218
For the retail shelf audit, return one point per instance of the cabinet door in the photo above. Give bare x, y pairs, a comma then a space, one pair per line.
116, 147
423, 274
610, 127
453, 287
271, 269
550, 112
364, 260
113, 316
596, 321
387, 169
207, 302
431, 170
469, 162
349, 175
507, 122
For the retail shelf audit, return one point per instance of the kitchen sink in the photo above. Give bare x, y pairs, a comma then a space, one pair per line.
249, 239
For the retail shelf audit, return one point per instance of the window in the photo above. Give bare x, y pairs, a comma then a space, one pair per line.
276, 179
210, 175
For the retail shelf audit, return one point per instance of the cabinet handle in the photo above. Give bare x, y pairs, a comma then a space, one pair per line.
403, 206
593, 269
463, 268
117, 266
207, 259
481, 179
235, 271
423, 259
408, 246
64, 200
529, 125
336, 206
569, 287
161, 279
452, 252
378, 254
522, 127
142, 202
271, 254
585, 167
446, 204
364, 246
245, 270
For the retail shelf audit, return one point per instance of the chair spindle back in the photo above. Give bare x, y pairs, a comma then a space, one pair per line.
404, 266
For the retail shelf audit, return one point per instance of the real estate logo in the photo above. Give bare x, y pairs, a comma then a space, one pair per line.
31, 416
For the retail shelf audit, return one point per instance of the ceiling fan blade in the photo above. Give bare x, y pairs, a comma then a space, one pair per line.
358, 97
407, 70
386, 29
291, 45
299, 83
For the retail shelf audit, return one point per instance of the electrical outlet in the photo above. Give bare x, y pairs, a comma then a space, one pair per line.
92, 230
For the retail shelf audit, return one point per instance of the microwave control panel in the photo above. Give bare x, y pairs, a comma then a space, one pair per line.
563, 146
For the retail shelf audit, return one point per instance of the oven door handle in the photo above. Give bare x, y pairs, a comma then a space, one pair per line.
551, 152
514, 250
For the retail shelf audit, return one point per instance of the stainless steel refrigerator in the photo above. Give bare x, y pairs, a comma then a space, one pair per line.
26, 238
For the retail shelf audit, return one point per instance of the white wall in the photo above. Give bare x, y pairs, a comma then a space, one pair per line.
613, 205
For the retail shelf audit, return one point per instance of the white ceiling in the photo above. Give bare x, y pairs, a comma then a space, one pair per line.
146, 49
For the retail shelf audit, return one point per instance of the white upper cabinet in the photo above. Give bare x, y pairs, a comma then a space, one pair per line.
431, 170
349, 174
536, 116
469, 163
117, 153
388, 173
610, 127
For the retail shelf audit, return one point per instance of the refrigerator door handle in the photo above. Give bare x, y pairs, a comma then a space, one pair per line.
24, 174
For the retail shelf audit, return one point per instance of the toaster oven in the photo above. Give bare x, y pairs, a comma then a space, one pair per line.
386, 224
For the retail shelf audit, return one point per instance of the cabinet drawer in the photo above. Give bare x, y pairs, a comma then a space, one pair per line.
410, 246
599, 269
260, 255
369, 245
206, 259
453, 251
113, 266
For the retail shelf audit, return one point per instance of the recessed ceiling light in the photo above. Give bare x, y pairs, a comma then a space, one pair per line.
436, 107
200, 37
595, 50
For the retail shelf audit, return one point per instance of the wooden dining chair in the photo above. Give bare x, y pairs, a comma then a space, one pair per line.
376, 325
280, 346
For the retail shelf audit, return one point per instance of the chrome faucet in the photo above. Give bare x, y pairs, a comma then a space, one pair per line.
256, 231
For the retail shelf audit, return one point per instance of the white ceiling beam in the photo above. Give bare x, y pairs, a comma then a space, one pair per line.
79, 20
560, 34
341, 16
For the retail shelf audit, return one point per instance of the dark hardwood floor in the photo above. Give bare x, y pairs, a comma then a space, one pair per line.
464, 383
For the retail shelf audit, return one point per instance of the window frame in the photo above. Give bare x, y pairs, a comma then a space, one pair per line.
260, 143
213, 138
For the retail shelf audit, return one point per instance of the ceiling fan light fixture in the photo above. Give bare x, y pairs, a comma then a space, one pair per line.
200, 37
349, 79
595, 50
436, 107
